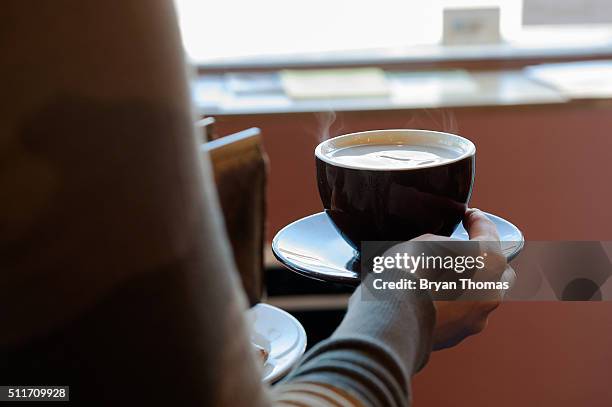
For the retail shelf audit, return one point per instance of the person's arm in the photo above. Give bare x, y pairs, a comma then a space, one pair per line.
373, 354
383, 341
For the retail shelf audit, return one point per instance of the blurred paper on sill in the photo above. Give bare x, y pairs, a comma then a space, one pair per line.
577, 80
431, 88
335, 83
253, 83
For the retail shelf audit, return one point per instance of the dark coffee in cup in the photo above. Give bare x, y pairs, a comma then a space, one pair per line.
395, 185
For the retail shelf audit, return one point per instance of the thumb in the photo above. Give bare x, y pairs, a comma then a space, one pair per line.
479, 226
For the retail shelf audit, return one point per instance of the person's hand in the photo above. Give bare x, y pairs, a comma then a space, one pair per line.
458, 319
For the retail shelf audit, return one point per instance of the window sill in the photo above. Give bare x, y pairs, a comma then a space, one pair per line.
442, 89
533, 43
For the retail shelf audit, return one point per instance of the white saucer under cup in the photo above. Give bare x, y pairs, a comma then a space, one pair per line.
313, 247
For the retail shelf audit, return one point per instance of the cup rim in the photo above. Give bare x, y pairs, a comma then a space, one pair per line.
469, 151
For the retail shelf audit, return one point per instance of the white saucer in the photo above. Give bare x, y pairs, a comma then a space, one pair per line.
313, 247
281, 335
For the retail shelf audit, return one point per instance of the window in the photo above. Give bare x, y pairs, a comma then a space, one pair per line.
246, 30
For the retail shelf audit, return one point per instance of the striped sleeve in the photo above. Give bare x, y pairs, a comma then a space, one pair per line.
369, 360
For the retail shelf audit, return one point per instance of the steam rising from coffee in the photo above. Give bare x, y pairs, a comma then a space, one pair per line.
326, 121
436, 119
330, 124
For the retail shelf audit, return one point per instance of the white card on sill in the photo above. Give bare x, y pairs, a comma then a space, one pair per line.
335, 83
469, 26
